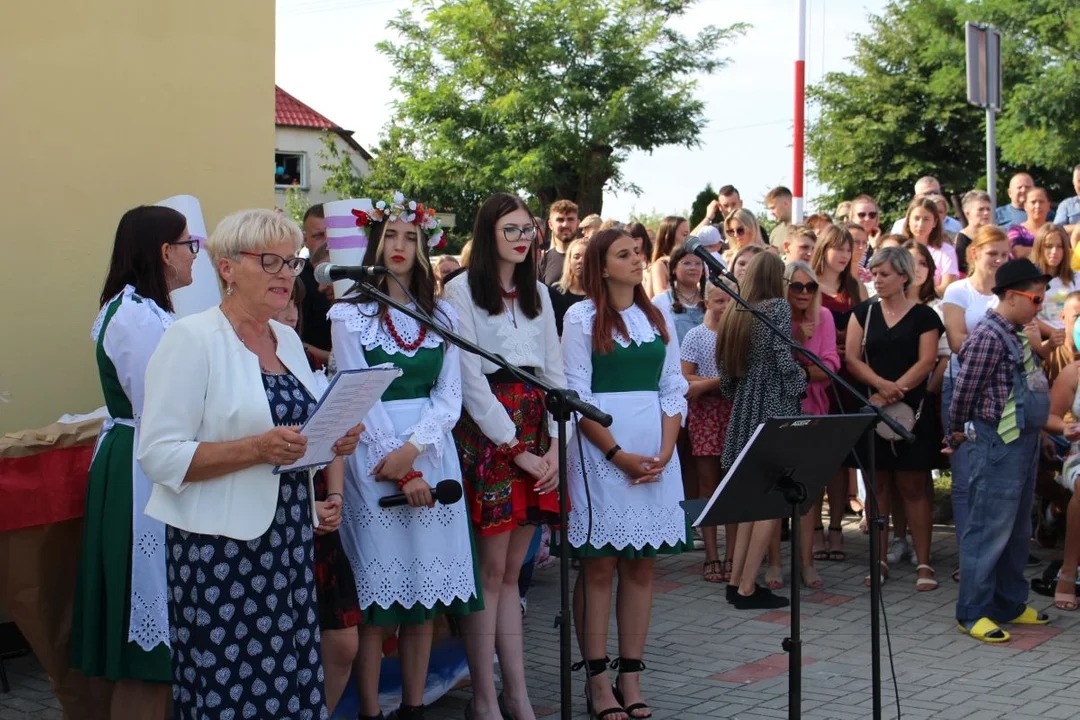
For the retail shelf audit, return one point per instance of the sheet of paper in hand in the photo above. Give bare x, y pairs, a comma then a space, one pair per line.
351, 395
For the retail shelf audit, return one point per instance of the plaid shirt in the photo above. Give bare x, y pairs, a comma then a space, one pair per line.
985, 381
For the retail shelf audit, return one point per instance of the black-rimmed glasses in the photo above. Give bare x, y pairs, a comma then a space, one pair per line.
193, 244
740, 231
513, 233
272, 262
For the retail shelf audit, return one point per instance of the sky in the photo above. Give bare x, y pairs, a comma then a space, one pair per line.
326, 57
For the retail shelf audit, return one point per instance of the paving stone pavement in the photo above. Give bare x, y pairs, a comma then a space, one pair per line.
707, 660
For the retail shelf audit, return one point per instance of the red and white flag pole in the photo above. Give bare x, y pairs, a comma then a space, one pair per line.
797, 204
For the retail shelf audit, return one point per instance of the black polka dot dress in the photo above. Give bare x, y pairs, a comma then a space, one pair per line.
244, 617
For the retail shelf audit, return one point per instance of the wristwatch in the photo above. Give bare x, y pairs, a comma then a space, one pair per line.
420, 447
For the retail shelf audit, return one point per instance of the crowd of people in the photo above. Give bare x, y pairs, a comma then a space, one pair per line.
211, 585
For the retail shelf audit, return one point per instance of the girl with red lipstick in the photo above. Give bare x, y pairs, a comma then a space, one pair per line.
410, 563
509, 461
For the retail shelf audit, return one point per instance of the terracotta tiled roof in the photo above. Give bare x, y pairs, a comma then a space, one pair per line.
290, 111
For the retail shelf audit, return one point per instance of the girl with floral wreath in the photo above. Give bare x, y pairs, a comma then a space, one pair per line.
415, 562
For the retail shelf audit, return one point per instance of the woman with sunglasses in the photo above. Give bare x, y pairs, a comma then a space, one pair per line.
120, 628
226, 391
506, 440
741, 230
812, 325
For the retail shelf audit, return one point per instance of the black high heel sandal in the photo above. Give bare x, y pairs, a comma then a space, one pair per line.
625, 666
409, 712
597, 667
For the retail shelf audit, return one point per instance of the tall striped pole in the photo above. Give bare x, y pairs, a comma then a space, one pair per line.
800, 112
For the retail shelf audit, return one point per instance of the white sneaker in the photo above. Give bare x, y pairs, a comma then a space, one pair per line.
898, 550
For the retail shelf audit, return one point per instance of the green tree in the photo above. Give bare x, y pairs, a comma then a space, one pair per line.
296, 203
542, 97
701, 205
902, 112
652, 218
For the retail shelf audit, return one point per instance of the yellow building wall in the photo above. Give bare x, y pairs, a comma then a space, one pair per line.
105, 105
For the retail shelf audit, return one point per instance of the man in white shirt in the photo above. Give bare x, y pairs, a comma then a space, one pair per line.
929, 185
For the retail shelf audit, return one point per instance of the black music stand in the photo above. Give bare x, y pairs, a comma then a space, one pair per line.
785, 466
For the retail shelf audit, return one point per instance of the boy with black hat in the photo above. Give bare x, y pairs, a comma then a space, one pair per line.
1002, 390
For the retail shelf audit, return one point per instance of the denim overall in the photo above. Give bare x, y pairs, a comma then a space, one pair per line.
994, 544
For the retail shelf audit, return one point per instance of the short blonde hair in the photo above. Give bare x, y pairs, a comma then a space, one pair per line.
252, 231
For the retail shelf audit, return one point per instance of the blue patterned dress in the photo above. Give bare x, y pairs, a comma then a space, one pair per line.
244, 618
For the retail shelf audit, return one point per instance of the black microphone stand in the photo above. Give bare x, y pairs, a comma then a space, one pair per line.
793, 644
562, 404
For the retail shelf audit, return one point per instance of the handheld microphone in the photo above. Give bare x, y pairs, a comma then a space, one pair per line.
446, 492
327, 273
694, 246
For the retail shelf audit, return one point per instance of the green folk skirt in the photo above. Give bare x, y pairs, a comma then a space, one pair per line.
99, 631
398, 614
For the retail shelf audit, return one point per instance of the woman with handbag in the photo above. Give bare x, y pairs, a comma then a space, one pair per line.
892, 347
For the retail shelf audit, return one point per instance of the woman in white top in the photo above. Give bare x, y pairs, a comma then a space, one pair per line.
964, 306
1052, 253
120, 626
506, 439
225, 391
412, 563
622, 355
923, 224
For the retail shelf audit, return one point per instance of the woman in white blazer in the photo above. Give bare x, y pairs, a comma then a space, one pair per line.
225, 392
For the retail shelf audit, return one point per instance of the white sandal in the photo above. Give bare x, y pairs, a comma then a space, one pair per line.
926, 584
884, 574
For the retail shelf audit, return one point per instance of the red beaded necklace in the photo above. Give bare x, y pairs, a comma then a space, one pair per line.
408, 347
509, 294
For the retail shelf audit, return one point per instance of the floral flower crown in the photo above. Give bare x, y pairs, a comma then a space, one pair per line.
410, 212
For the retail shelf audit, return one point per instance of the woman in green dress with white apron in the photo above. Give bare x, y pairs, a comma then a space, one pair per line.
120, 627
621, 354
411, 563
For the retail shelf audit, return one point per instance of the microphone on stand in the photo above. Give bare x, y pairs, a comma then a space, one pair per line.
327, 273
694, 246
446, 492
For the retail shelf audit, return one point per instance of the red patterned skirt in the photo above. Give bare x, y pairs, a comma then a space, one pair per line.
335, 588
707, 422
500, 494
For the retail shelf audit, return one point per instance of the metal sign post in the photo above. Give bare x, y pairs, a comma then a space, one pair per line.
984, 89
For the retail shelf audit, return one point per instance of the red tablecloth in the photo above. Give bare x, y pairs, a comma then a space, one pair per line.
48, 487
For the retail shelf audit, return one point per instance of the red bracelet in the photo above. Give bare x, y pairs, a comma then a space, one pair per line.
409, 477
511, 452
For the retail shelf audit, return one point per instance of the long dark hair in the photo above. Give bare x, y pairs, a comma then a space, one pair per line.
136, 256
483, 265
421, 282
608, 318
